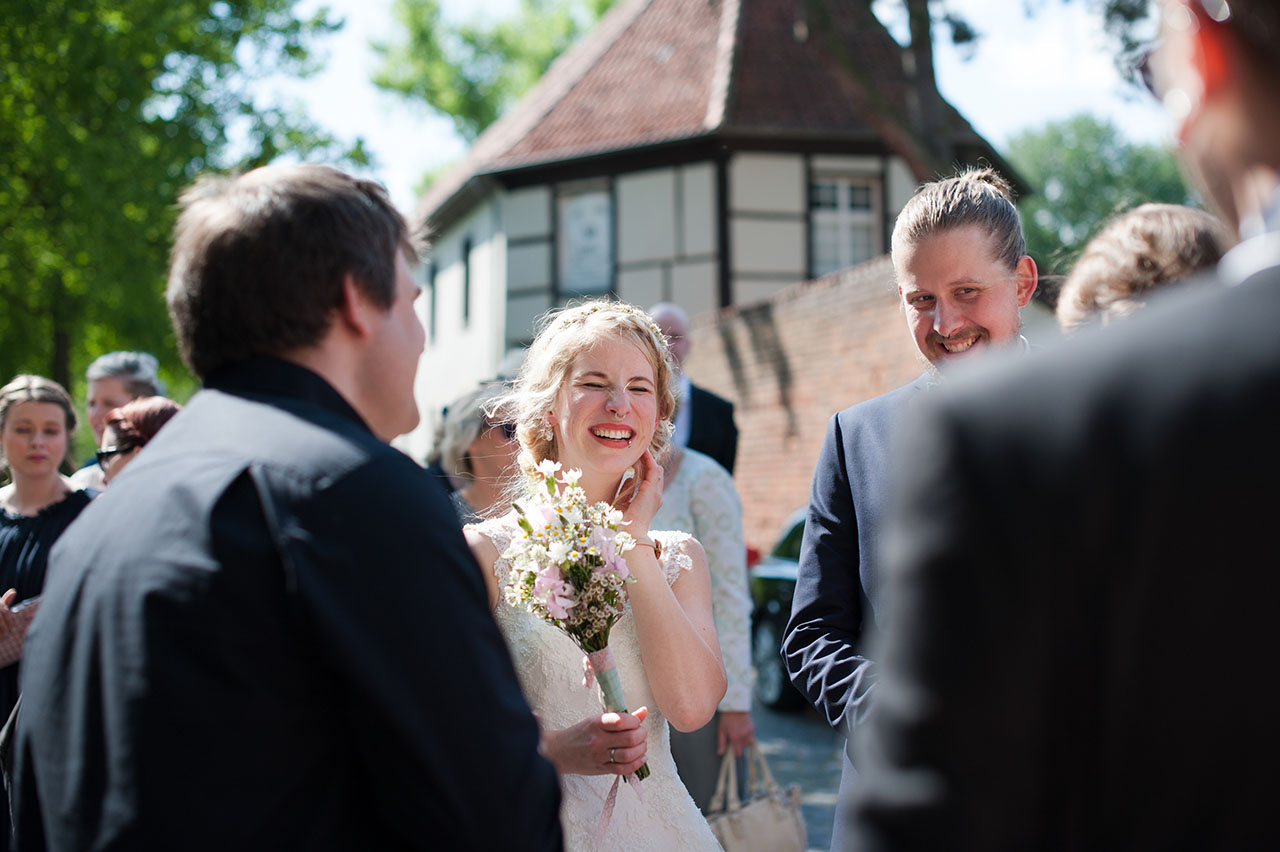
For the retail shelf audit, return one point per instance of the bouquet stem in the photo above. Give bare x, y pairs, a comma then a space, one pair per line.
606, 672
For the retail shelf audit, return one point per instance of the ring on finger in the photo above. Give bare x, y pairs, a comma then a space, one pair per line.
611, 751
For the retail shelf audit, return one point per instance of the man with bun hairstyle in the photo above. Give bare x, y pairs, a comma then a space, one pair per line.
963, 275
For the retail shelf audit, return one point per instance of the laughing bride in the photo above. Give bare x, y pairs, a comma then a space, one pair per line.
596, 393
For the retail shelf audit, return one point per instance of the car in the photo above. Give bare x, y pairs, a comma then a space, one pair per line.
773, 585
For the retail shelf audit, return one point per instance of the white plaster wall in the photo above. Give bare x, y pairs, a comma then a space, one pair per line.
694, 287
774, 246
845, 165
902, 185
527, 212
522, 315
529, 265
698, 201
461, 355
646, 205
747, 292
772, 183
640, 287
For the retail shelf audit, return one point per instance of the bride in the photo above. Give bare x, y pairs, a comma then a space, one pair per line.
596, 393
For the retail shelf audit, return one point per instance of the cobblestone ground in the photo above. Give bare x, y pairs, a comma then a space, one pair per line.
802, 749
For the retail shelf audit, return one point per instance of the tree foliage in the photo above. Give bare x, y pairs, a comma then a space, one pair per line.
108, 108
1084, 171
473, 70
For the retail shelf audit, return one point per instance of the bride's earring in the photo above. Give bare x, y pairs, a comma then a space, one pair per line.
545, 432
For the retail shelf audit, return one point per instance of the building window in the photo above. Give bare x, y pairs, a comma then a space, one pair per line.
466, 281
584, 243
844, 222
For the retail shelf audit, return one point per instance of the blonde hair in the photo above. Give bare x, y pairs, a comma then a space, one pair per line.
1145, 248
976, 196
564, 335
465, 419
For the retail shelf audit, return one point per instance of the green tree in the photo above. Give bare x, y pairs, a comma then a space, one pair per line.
473, 70
1084, 171
108, 108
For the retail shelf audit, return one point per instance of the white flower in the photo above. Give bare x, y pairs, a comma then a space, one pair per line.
547, 467
613, 517
558, 551
571, 476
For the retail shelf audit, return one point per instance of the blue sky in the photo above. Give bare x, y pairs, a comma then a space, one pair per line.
1025, 72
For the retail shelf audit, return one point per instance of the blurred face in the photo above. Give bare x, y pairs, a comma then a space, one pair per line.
493, 452
105, 395
394, 349
607, 409
958, 299
34, 439
677, 334
111, 458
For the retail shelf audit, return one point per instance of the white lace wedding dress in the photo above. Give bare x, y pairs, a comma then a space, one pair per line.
549, 666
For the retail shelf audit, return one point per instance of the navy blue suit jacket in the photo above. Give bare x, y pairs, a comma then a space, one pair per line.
834, 610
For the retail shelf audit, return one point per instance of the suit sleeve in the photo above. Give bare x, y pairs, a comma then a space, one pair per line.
820, 645
731, 439
398, 605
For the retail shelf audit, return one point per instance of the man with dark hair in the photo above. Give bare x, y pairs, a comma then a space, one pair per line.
271, 633
1081, 582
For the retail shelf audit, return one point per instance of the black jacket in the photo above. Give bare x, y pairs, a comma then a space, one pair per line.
711, 427
270, 634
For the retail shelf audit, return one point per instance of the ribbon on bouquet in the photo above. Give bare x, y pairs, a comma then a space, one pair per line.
600, 665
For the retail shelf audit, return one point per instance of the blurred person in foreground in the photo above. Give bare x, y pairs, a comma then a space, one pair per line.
130, 428
271, 634
1079, 645
1136, 252
478, 450
113, 380
963, 275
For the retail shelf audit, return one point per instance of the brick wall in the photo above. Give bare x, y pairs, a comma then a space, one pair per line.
788, 364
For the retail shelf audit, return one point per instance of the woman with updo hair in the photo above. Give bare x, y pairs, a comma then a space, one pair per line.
597, 393
130, 428
1136, 252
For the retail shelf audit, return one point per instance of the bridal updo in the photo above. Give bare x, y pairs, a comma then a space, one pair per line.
562, 336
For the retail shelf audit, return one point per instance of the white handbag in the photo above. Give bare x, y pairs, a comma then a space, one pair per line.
768, 821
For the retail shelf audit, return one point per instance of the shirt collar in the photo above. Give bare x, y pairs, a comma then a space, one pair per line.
264, 375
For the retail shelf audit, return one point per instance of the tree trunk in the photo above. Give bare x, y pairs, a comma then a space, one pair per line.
60, 357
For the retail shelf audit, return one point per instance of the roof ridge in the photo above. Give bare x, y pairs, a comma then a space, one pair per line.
560, 78
726, 50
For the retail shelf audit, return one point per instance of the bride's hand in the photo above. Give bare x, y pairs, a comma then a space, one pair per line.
611, 744
646, 499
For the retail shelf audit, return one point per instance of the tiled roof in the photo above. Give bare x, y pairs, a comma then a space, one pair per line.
655, 71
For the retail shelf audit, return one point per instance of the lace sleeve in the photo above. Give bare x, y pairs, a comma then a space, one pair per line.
674, 559
499, 535
717, 511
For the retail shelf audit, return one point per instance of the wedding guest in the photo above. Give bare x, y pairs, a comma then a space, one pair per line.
37, 420
478, 450
1081, 563
270, 633
130, 428
1136, 252
699, 498
703, 421
113, 380
963, 276
596, 393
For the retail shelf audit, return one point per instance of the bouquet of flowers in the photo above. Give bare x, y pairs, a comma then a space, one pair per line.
568, 569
